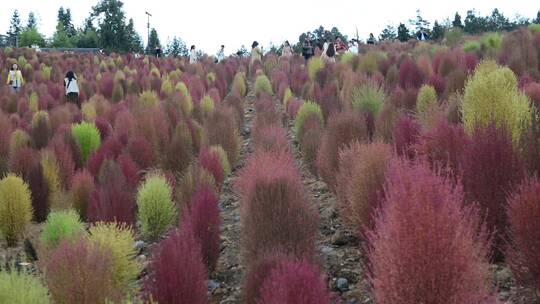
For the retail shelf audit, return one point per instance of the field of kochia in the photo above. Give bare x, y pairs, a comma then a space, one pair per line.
234, 182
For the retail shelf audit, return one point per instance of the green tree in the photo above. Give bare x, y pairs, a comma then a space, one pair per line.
498, 22
64, 18
537, 20
457, 21
134, 39
111, 30
87, 37
403, 33
32, 22
389, 33
30, 36
15, 29
438, 31
61, 39
475, 24
177, 47
153, 41
420, 24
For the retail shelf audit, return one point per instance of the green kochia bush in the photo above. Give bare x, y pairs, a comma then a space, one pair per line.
15, 208
427, 97
308, 108
471, 46
262, 84
157, 211
20, 288
368, 98
62, 224
315, 64
87, 136
492, 94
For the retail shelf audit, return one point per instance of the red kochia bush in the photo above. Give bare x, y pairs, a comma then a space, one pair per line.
426, 247
177, 274
295, 282
203, 218
406, 134
533, 91
492, 168
274, 211
221, 130
113, 199
410, 75
79, 272
343, 128
271, 138
210, 162
524, 233
82, 187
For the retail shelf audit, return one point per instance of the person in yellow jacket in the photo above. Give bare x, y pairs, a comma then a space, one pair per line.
15, 78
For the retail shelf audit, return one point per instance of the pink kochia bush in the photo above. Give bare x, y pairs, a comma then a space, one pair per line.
295, 282
426, 247
274, 211
203, 218
177, 274
210, 162
406, 134
524, 233
492, 169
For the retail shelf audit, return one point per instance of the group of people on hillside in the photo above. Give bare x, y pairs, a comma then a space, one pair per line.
327, 48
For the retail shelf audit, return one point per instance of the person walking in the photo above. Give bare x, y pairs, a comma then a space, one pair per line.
371, 39
72, 88
15, 79
192, 54
256, 53
329, 52
220, 56
341, 47
287, 51
307, 48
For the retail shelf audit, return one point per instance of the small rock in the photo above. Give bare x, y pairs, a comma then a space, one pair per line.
141, 258
212, 286
342, 284
327, 250
340, 238
353, 301
246, 131
139, 245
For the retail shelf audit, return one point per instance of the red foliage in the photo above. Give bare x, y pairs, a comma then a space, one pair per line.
406, 134
64, 159
210, 161
492, 168
106, 85
203, 218
104, 127
343, 128
82, 187
130, 170
532, 90
425, 247
312, 131
177, 273
113, 199
78, 272
410, 75
271, 138
437, 82
141, 152
221, 130
179, 152
295, 282
524, 233
274, 211
257, 272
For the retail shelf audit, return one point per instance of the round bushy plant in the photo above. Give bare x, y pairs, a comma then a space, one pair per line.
427, 97
263, 84
149, 99
223, 159
18, 139
315, 64
157, 210
368, 98
492, 95
119, 239
15, 208
21, 288
308, 108
41, 129
62, 224
87, 136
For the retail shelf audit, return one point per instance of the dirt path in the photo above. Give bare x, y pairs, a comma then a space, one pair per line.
228, 273
338, 248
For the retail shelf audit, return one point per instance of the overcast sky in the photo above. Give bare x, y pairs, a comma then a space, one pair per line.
208, 24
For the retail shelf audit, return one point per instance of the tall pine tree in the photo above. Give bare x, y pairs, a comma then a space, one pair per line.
403, 33
15, 29
32, 22
457, 21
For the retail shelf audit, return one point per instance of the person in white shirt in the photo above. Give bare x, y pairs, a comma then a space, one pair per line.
287, 50
353, 48
220, 56
15, 79
192, 55
72, 88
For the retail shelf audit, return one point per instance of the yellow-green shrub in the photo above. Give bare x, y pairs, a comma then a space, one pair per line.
262, 84
368, 98
427, 96
157, 211
535, 28
33, 104
308, 108
20, 288
315, 64
60, 225
368, 63
207, 105
239, 83
87, 136
471, 46
51, 175
492, 41
148, 99
223, 158
18, 139
492, 94
286, 96
167, 87
119, 240
89, 112
15, 208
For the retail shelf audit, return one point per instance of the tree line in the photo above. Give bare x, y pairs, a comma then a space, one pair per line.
107, 28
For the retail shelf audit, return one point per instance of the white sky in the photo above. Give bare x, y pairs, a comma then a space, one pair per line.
208, 24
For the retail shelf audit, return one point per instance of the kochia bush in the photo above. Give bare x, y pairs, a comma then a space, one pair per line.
61, 225
157, 211
492, 95
263, 85
407, 261
15, 208
87, 137
307, 109
21, 288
